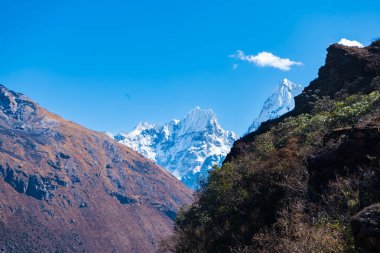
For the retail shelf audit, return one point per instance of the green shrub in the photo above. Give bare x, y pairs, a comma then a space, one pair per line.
348, 112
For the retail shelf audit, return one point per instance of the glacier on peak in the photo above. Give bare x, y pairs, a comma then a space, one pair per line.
280, 102
187, 148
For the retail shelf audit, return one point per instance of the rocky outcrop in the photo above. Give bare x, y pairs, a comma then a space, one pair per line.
366, 228
123, 199
346, 152
348, 70
39, 188
32, 185
16, 178
17, 106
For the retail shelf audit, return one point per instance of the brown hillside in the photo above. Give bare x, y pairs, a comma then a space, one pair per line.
65, 188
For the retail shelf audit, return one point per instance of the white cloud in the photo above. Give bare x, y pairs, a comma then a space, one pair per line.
266, 59
350, 43
235, 66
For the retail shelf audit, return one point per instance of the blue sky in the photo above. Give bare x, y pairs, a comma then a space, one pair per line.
110, 64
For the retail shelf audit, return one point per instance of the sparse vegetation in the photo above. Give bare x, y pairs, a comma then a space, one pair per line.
263, 201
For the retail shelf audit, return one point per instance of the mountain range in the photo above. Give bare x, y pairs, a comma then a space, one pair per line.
187, 148
304, 180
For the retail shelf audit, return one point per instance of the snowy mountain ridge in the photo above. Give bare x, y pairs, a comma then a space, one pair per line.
190, 147
280, 102
187, 148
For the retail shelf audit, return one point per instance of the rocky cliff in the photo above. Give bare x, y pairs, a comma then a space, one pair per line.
65, 188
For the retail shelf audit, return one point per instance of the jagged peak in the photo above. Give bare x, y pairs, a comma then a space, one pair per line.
4, 91
139, 128
198, 119
278, 103
16, 105
144, 125
197, 111
174, 122
289, 84
284, 92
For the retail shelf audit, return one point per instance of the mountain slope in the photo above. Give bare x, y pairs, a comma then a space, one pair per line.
347, 70
298, 181
280, 102
187, 148
65, 188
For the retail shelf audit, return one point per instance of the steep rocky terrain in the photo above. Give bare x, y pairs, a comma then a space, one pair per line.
348, 70
65, 188
299, 183
187, 148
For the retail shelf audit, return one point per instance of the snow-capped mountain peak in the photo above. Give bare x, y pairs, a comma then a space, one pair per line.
142, 126
286, 83
280, 102
198, 120
187, 148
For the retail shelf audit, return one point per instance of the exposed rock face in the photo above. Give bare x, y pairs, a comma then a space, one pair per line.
366, 228
345, 150
347, 70
65, 188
